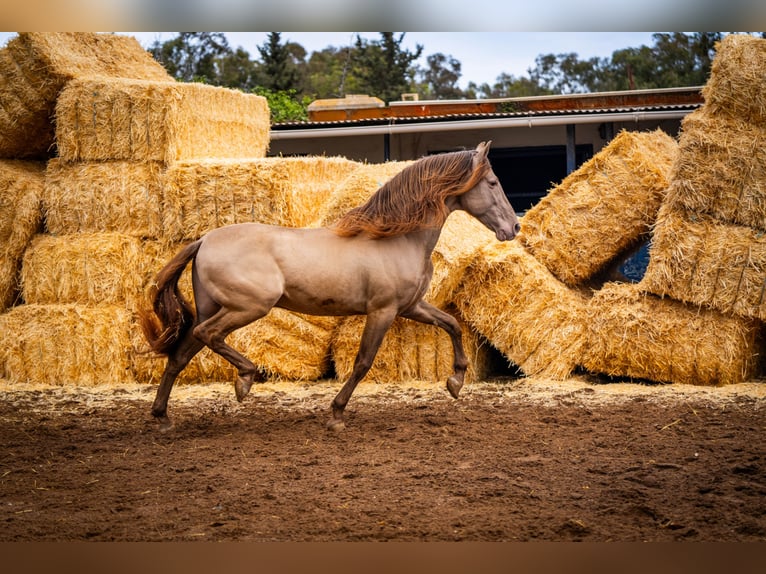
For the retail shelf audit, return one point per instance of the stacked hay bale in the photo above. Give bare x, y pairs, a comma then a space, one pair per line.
695, 316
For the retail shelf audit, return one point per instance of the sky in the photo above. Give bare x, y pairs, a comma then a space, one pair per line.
483, 55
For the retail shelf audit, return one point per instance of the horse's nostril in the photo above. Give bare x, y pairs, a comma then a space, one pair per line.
517, 228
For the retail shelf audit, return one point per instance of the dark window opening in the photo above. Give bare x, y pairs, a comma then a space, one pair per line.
528, 173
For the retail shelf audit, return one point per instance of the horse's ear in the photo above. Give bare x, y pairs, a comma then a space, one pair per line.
483, 149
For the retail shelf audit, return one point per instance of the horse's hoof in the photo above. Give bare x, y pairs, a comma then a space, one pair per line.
165, 425
242, 388
335, 425
453, 386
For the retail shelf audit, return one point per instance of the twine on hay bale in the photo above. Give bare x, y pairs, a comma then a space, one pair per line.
603, 209
410, 351
118, 119
37, 65
112, 196
737, 83
527, 314
699, 260
356, 189
205, 194
66, 344
21, 186
638, 335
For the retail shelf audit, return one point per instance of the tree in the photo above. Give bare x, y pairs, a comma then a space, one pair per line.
508, 86
439, 79
193, 56
279, 70
383, 68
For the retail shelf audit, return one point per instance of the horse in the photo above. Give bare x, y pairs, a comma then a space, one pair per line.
374, 261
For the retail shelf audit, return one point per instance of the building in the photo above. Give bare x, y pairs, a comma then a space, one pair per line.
536, 141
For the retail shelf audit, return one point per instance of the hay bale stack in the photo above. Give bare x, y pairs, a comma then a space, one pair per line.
86, 268
737, 83
603, 209
202, 195
697, 259
66, 344
111, 196
525, 312
21, 187
410, 351
101, 119
356, 189
35, 66
633, 334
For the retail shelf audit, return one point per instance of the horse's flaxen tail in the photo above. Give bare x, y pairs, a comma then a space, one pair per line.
171, 315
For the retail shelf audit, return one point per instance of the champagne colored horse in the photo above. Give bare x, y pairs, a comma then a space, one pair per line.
375, 261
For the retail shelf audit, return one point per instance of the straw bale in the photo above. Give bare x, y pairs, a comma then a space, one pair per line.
112, 196
721, 169
602, 209
634, 334
86, 268
461, 238
35, 66
532, 318
285, 345
117, 119
357, 189
696, 259
66, 344
205, 194
21, 186
737, 83
410, 351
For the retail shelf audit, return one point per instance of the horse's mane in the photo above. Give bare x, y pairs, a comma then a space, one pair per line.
415, 197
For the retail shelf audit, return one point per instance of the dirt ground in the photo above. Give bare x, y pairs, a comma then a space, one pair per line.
511, 460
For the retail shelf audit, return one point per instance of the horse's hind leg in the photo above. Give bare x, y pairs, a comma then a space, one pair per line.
375, 329
177, 361
426, 313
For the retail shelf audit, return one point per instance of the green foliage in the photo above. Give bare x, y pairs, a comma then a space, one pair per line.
285, 105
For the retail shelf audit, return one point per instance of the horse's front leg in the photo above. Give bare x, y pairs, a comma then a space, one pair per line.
375, 329
426, 313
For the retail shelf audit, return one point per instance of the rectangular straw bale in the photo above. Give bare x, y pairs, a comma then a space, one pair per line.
638, 335
116, 119
66, 344
112, 196
721, 169
410, 351
205, 194
21, 186
86, 268
356, 189
699, 260
602, 209
286, 345
527, 314
35, 66
461, 238
737, 83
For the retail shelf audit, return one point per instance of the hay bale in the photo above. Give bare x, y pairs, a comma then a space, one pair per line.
113, 196
357, 189
35, 66
633, 334
66, 344
87, 269
603, 209
527, 314
21, 186
699, 260
737, 83
721, 169
410, 351
205, 194
117, 119
285, 345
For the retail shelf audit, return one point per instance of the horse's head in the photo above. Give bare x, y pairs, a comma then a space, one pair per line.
487, 201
